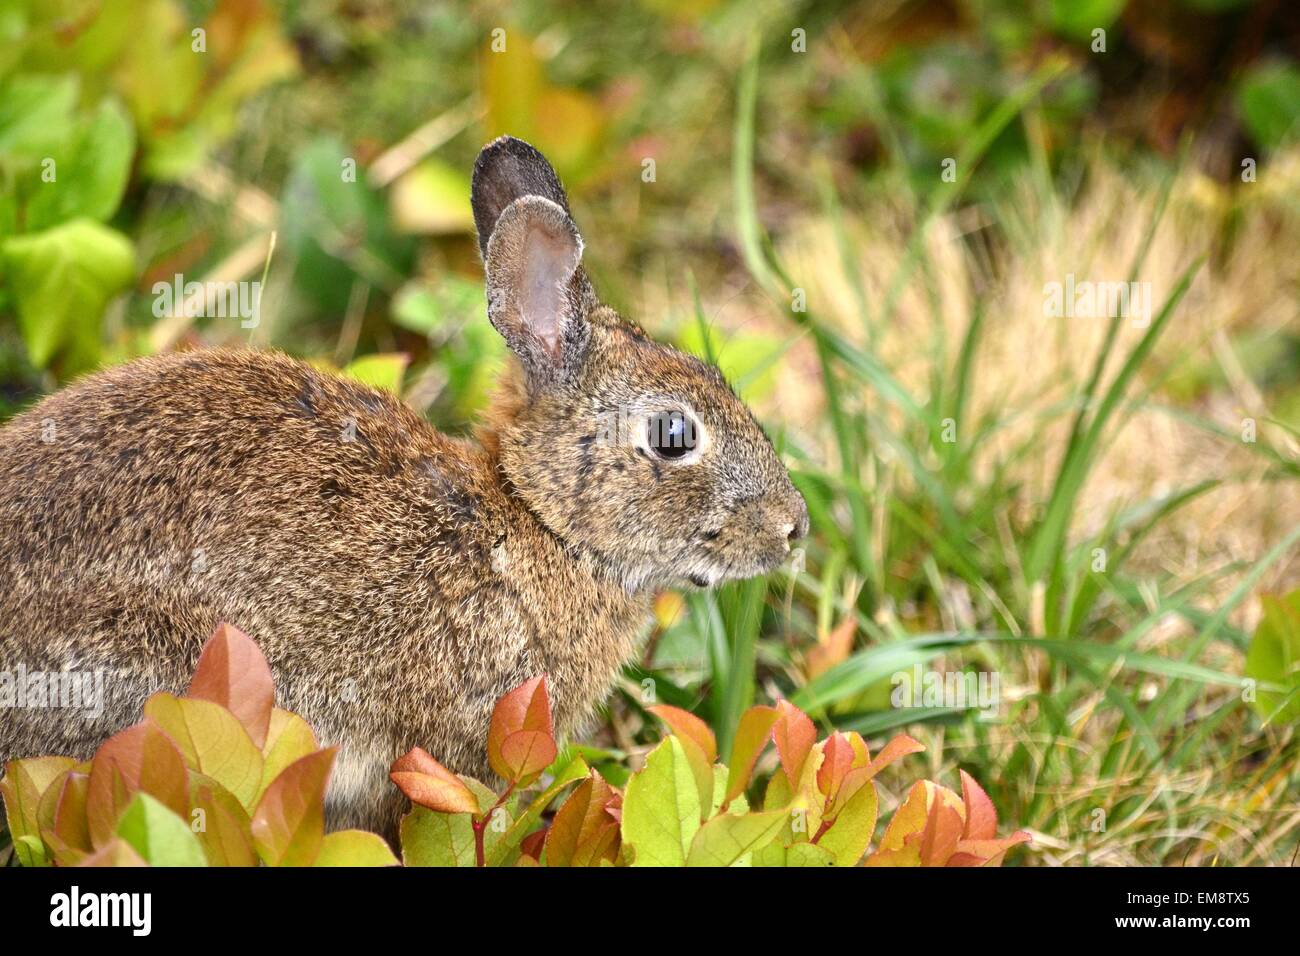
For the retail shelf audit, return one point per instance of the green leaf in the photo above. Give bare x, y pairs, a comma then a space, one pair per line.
383, 371
336, 227
849, 835
221, 824
1274, 658
36, 115
25, 781
212, 741
661, 809
288, 738
1269, 100
61, 280
728, 839
747, 358
158, 835
1077, 19
90, 171
354, 848
437, 839
800, 854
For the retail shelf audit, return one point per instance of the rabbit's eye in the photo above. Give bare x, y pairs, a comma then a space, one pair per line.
671, 435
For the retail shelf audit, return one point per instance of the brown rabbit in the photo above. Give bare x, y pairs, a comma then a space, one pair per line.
398, 580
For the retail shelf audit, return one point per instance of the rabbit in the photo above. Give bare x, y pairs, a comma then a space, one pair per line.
398, 580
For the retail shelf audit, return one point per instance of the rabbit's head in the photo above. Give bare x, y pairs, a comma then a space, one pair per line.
625, 448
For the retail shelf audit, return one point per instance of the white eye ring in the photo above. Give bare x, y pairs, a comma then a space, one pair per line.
650, 432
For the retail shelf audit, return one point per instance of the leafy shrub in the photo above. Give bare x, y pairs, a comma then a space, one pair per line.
89, 92
222, 777
683, 807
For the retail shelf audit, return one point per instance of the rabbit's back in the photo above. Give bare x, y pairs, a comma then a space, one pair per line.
220, 473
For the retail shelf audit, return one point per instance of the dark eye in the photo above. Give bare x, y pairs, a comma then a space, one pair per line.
671, 435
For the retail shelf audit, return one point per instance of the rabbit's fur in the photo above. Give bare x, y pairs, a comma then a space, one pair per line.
398, 580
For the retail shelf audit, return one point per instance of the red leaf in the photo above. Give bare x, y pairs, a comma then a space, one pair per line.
837, 760
233, 672
685, 724
429, 784
795, 735
981, 817
140, 758
524, 709
531, 845
289, 821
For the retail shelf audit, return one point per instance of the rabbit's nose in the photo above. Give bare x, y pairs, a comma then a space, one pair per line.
798, 527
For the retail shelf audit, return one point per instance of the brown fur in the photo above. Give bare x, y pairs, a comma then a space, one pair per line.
398, 580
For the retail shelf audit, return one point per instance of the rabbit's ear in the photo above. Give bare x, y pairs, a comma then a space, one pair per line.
506, 170
538, 296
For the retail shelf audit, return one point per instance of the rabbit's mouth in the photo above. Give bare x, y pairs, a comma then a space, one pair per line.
717, 572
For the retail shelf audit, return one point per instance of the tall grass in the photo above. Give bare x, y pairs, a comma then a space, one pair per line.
1109, 750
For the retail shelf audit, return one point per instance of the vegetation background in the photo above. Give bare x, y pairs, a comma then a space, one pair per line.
1096, 510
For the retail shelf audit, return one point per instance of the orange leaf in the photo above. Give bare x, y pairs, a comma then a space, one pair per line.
985, 852
795, 735
981, 817
603, 846
580, 822
289, 821
687, 725
429, 784
909, 819
752, 733
233, 672
899, 747
70, 811
117, 852
526, 753
942, 831
61, 816
141, 758
524, 709
832, 648
836, 763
